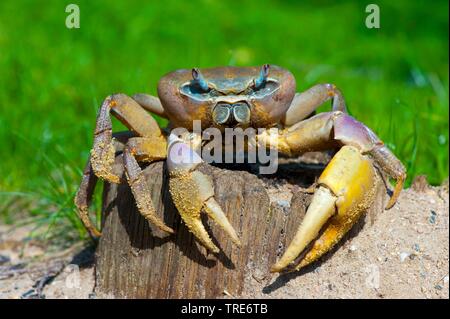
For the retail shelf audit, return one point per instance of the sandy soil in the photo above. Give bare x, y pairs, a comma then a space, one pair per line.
31, 270
401, 253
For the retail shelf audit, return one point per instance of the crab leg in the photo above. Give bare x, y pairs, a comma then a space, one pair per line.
347, 185
83, 198
150, 103
89, 180
334, 129
130, 113
193, 192
150, 146
305, 103
148, 150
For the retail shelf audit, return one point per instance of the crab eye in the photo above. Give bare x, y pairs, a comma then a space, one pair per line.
199, 83
259, 82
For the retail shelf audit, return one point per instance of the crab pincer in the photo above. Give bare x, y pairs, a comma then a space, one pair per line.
346, 189
193, 192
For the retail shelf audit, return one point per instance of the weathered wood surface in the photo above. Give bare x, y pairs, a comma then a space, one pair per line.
135, 260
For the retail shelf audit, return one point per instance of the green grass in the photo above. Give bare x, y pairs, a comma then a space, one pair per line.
53, 79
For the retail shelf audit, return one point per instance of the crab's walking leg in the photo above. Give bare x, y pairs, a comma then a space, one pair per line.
133, 116
146, 150
89, 180
151, 146
150, 103
347, 185
83, 198
193, 191
305, 103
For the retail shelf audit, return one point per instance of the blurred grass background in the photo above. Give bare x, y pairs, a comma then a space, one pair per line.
53, 79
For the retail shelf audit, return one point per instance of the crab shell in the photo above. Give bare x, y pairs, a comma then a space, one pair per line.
230, 86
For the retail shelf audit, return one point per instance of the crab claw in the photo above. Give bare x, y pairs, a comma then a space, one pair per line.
193, 192
347, 189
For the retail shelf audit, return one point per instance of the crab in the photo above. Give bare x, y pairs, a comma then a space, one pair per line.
245, 97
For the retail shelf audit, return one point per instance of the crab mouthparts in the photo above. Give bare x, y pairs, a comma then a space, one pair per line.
231, 114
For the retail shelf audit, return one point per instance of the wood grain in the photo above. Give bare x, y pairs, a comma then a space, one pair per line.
135, 260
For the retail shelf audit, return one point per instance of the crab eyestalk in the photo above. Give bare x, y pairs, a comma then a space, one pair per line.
263, 74
200, 79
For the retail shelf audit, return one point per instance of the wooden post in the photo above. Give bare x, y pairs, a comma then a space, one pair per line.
135, 260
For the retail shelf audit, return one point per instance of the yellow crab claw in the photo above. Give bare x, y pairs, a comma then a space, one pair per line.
193, 192
347, 189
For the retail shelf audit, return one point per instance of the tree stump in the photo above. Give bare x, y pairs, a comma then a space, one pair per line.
136, 260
